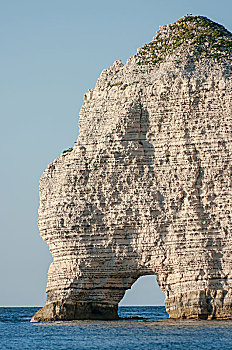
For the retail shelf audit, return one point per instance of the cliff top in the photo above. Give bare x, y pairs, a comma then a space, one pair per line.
194, 36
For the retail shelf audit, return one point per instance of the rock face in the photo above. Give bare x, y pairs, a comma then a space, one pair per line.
146, 188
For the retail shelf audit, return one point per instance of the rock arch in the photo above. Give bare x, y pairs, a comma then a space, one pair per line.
146, 189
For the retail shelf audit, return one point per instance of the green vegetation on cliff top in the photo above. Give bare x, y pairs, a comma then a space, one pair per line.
194, 36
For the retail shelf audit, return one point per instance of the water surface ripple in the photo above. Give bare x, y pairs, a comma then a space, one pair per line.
138, 328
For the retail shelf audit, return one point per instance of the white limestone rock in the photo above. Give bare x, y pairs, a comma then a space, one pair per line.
146, 188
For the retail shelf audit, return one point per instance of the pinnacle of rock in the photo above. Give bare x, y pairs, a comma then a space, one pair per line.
193, 36
146, 189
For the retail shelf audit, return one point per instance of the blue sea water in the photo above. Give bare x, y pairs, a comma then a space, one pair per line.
151, 331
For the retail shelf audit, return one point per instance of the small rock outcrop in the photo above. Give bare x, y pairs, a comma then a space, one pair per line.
146, 189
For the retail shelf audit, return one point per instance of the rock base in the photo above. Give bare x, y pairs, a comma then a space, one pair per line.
64, 311
203, 304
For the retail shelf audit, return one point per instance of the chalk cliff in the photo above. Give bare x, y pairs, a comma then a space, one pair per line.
146, 188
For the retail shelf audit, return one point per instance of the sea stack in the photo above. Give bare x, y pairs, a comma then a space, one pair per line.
147, 187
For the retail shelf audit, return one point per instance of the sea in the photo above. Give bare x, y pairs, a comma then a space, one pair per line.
138, 328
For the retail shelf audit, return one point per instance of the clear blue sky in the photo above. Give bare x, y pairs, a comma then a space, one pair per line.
52, 52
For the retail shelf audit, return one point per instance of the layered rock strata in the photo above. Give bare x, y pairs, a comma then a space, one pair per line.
146, 188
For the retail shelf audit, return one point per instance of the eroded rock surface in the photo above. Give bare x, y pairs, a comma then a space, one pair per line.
146, 188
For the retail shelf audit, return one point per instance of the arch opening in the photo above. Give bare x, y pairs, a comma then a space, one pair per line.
143, 300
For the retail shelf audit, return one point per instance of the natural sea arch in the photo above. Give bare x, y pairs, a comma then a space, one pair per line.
145, 189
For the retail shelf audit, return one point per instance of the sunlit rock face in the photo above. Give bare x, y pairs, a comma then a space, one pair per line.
146, 188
